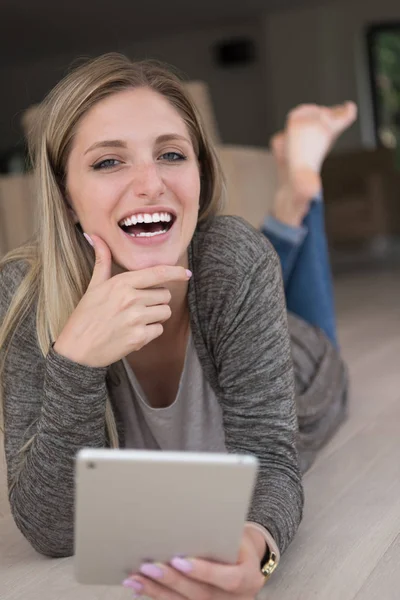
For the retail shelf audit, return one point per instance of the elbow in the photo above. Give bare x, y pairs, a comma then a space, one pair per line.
301, 502
49, 548
50, 545
51, 541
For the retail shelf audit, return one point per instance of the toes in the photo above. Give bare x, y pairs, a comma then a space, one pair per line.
277, 139
278, 146
346, 112
352, 110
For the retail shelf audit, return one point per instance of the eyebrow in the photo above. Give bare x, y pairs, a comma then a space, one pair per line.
166, 137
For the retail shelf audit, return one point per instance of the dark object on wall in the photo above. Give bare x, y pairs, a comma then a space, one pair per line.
15, 160
234, 52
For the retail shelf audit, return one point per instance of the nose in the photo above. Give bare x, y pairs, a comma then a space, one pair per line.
147, 182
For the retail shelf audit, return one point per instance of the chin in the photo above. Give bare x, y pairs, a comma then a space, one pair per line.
151, 260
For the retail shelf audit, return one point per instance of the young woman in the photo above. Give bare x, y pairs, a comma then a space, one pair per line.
139, 318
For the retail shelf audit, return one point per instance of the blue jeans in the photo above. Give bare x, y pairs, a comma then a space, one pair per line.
303, 252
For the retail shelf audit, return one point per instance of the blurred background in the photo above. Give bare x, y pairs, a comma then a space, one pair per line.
253, 61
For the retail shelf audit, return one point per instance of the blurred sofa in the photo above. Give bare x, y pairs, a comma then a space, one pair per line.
361, 192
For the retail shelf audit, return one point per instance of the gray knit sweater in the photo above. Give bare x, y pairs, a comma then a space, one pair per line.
239, 327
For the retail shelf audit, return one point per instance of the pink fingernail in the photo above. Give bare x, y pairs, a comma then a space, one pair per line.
133, 584
89, 239
189, 273
151, 570
181, 564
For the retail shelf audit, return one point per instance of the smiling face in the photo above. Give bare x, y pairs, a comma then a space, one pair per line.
133, 179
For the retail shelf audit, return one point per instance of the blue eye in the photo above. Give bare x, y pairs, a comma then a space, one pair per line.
108, 163
173, 157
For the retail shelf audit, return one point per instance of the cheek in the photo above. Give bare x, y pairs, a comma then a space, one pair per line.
188, 191
92, 200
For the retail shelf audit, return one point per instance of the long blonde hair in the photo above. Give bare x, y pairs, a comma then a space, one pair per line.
59, 261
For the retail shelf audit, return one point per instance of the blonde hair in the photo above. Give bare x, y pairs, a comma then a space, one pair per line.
59, 260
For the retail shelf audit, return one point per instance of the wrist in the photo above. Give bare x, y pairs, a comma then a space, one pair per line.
62, 349
258, 540
270, 544
270, 559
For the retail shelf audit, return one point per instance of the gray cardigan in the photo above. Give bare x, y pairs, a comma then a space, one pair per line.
239, 327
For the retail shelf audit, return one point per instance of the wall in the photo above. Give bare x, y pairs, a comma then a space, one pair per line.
24, 85
238, 94
313, 54
325, 60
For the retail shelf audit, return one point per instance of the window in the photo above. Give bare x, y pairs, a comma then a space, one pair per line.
384, 59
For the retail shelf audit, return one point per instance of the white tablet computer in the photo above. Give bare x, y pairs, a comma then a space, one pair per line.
135, 506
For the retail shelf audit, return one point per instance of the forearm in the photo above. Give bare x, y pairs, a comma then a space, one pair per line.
277, 506
41, 478
259, 401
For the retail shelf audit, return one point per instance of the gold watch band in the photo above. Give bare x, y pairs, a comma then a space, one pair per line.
269, 567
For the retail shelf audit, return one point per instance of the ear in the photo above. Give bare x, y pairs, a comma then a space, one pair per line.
70, 209
73, 215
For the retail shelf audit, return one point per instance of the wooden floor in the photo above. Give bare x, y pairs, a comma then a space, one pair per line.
348, 545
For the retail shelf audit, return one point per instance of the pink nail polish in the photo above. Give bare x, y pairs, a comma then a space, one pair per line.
189, 273
133, 585
151, 570
88, 238
181, 564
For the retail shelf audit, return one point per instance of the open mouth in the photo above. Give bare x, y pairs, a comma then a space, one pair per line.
147, 224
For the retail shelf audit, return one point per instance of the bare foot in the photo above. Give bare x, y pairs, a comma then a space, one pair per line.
300, 150
311, 132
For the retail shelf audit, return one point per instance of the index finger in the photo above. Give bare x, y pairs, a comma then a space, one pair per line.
156, 276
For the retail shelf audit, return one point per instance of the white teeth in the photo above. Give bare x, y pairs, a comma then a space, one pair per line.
148, 234
147, 218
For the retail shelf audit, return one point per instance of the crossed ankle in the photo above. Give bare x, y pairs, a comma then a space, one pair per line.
290, 206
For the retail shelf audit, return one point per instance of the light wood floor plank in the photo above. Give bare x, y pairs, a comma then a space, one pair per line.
383, 582
350, 516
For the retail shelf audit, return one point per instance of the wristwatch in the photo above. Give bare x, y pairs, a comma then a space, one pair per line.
269, 563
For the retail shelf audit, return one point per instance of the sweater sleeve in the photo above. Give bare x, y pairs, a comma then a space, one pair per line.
255, 376
53, 407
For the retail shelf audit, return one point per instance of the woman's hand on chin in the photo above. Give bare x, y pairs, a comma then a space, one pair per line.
118, 314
